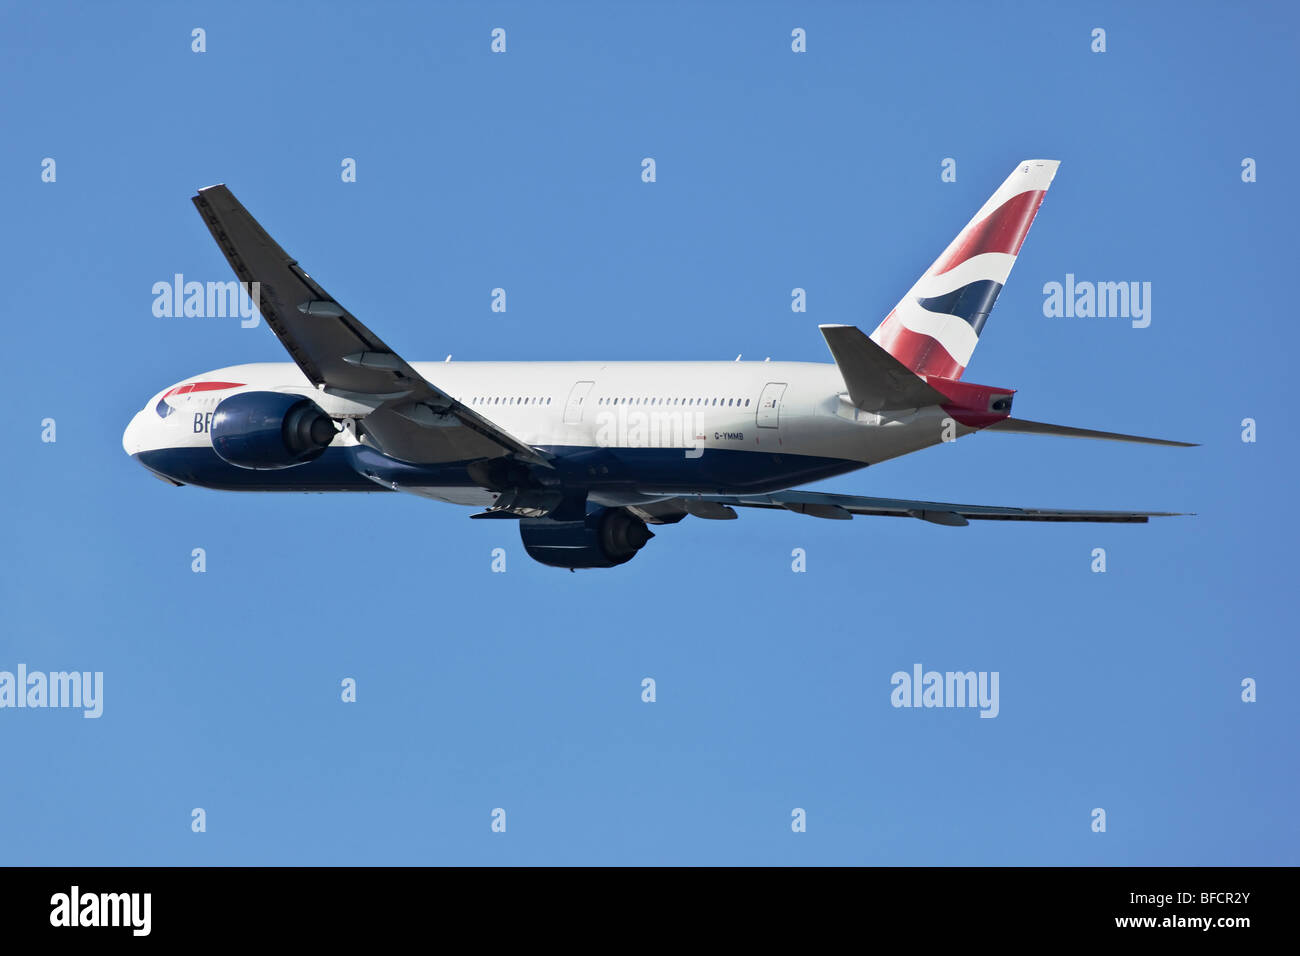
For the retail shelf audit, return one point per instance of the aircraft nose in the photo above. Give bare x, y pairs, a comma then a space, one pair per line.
132, 438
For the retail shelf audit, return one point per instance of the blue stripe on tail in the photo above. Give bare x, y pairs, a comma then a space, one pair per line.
972, 302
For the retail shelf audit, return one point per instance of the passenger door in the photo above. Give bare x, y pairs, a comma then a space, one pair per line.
769, 405
577, 398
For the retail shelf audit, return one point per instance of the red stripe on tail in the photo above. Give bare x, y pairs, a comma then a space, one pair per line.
921, 353
1002, 230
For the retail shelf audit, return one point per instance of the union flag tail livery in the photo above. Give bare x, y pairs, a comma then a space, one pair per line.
936, 326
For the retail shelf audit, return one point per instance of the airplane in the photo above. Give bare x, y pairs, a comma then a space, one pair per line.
587, 456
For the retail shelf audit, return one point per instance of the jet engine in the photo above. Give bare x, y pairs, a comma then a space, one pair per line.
264, 431
605, 538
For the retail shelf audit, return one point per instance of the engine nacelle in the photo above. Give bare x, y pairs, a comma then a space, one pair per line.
605, 538
269, 430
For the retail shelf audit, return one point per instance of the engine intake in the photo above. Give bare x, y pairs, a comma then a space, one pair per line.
606, 537
264, 431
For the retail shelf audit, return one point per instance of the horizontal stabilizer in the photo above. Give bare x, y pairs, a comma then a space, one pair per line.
875, 379
1066, 431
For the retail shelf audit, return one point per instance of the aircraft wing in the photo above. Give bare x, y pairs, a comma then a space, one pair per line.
843, 507
413, 420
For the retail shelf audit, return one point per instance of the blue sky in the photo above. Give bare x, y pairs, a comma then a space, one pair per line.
522, 690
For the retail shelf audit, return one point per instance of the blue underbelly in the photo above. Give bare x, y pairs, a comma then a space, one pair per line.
717, 470
332, 471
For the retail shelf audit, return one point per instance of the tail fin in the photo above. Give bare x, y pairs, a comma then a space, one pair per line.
936, 326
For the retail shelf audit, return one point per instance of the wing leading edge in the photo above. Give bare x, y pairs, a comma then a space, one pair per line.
413, 420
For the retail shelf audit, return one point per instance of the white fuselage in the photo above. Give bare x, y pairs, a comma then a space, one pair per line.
776, 411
